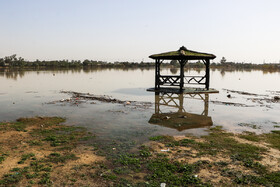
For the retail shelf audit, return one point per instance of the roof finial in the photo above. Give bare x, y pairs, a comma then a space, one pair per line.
183, 48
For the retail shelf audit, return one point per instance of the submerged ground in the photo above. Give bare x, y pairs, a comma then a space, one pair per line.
46, 152
114, 142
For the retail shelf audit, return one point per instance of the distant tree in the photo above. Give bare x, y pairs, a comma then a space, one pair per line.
10, 60
174, 63
86, 62
2, 63
173, 70
223, 60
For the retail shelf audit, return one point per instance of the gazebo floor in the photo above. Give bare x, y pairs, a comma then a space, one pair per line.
186, 90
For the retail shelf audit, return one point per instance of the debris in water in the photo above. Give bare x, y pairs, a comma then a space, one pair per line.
78, 98
276, 98
243, 93
165, 150
166, 117
232, 104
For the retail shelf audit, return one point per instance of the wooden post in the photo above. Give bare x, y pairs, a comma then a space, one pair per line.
182, 65
207, 73
156, 75
159, 62
181, 102
206, 101
157, 102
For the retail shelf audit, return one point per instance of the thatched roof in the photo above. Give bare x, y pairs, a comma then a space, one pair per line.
183, 53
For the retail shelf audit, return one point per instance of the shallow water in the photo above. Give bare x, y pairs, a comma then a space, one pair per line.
26, 94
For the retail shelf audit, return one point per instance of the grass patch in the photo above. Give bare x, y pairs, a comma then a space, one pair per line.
129, 160
35, 143
253, 126
43, 121
220, 141
58, 158
273, 139
22, 123
3, 157
3, 126
145, 151
172, 173
18, 126
41, 131
45, 179
110, 176
256, 166
60, 136
270, 179
161, 138
11, 178
250, 136
124, 170
170, 142
26, 157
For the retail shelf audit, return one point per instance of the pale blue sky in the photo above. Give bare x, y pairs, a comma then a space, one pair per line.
131, 30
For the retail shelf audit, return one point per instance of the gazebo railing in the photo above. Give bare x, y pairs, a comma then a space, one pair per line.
174, 80
195, 79
171, 80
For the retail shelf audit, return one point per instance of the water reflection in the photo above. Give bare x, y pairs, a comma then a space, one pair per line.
11, 73
15, 73
179, 119
174, 70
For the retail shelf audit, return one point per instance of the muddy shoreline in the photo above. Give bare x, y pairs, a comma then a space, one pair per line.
42, 151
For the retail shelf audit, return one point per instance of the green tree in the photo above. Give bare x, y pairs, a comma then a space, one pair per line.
174, 63
86, 62
223, 60
2, 63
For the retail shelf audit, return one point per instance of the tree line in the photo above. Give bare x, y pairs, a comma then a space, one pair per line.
13, 61
19, 62
223, 64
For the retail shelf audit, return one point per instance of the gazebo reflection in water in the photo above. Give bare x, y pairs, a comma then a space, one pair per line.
180, 119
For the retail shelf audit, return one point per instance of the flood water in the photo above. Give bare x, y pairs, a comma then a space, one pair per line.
32, 93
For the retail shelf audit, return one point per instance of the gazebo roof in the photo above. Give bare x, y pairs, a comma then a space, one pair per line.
183, 54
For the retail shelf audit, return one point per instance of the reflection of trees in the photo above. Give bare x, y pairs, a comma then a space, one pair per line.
14, 73
222, 72
198, 70
266, 71
174, 70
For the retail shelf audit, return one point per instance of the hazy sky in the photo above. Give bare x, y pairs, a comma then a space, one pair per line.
131, 30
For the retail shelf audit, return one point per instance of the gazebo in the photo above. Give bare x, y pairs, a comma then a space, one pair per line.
182, 56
